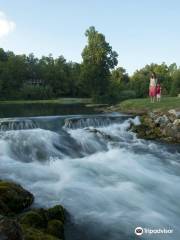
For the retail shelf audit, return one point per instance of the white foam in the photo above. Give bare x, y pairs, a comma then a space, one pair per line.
112, 190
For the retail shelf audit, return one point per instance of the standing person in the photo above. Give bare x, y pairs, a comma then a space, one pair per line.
152, 87
158, 92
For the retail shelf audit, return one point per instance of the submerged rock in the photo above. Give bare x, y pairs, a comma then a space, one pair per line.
99, 133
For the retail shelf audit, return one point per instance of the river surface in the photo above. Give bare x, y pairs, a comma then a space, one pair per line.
109, 181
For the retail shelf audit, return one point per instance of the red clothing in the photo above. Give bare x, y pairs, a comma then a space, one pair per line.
152, 91
158, 90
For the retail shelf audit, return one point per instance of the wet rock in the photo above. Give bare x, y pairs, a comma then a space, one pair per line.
56, 228
162, 120
56, 212
33, 219
99, 133
36, 234
34, 224
159, 125
10, 229
13, 198
43, 223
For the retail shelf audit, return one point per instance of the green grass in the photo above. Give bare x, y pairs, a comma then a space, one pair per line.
144, 104
52, 101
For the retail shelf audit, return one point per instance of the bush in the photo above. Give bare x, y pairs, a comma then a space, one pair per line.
127, 94
36, 92
175, 87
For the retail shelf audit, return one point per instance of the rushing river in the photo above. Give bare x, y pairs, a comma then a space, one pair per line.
109, 181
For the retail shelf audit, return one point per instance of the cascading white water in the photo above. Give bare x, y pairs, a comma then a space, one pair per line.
108, 180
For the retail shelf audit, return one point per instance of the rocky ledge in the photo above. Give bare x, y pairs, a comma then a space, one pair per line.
18, 221
159, 125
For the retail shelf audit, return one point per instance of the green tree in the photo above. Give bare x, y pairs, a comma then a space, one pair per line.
98, 60
175, 87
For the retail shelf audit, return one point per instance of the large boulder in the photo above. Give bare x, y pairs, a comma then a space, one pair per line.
30, 233
19, 222
33, 219
55, 228
13, 198
56, 212
10, 229
43, 224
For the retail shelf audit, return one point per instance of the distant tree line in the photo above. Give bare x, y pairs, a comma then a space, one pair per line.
28, 77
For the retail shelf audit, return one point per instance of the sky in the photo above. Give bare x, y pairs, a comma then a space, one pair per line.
140, 31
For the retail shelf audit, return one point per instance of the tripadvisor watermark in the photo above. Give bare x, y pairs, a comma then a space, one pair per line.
140, 231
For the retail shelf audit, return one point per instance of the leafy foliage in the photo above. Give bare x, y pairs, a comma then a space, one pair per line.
27, 77
98, 60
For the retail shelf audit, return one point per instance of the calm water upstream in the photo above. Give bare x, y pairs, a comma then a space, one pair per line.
108, 180
41, 109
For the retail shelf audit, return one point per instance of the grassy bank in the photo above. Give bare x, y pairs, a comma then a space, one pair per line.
143, 105
52, 101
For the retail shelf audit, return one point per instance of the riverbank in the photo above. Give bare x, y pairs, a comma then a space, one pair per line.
143, 105
50, 101
20, 221
159, 120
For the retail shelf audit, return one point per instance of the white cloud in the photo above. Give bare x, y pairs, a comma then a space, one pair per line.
6, 25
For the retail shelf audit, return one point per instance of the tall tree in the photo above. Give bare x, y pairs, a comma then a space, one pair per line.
98, 60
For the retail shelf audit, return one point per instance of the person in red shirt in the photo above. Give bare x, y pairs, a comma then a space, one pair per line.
158, 92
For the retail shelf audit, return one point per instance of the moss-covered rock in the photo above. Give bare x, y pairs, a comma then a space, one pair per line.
33, 219
50, 222
30, 233
56, 212
10, 229
13, 198
158, 125
56, 228
34, 224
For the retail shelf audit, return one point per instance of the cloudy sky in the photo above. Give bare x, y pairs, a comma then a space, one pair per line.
140, 31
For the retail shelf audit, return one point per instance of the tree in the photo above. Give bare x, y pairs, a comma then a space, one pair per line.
98, 60
140, 79
175, 87
120, 76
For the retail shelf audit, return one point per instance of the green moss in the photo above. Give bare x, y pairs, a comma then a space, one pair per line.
14, 197
55, 228
33, 219
56, 212
10, 229
30, 233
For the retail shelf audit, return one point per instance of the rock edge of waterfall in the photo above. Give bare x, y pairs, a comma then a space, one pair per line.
154, 125
20, 221
159, 125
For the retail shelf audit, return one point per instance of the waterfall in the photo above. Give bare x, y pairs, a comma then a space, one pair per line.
97, 121
17, 124
109, 181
